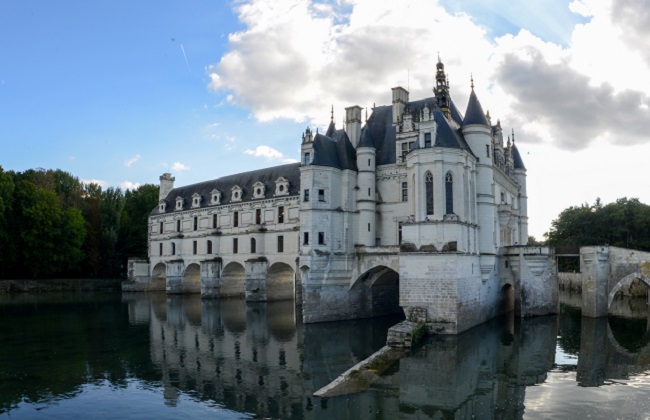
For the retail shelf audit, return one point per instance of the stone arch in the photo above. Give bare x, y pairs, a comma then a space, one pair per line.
376, 292
625, 282
506, 299
233, 280
159, 274
280, 279
192, 279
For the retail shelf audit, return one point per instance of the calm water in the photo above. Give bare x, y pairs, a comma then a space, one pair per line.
157, 356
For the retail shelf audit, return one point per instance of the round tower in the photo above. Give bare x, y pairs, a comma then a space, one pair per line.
366, 203
478, 135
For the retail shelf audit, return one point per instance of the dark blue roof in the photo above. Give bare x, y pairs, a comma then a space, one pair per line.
517, 161
474, 113
336, 152
245, 180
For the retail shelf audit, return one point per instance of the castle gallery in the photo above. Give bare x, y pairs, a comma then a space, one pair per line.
420, 209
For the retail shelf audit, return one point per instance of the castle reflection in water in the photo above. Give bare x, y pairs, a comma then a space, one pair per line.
260, 359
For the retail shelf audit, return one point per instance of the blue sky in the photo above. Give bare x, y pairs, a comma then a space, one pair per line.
121, 91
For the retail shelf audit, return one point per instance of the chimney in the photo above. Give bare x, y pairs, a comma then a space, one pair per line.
166, 185
400, 99
353, 124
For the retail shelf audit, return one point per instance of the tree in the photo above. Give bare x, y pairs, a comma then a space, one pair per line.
134, 223
112, 204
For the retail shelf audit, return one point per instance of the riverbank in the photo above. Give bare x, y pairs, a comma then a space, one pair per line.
58, 285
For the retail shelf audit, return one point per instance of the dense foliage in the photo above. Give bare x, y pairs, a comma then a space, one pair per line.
624, 223
53, 225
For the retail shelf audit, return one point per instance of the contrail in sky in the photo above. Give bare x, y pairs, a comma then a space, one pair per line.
185, 55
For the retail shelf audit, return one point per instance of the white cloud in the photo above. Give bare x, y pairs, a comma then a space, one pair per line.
179, 167
128, 185
131, 161
99, 182
269, 154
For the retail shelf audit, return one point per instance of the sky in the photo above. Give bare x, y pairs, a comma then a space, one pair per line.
118, 92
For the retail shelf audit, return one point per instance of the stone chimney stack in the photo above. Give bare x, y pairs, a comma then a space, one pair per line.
353, 124
166, 185
400, 99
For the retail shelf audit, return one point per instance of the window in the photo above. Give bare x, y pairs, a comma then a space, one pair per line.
258, 216
280, 243
281, 214
368, 162
405, 191
305, 238
368, 227
428, 183
194, 247
307, 158
196, 223
253, 246
160, 249
321, 195
173, 248
209, 247
215, 221
178, 226
487, 150
321, 238
235, 219
235, 245
160, 229
449, 193
427, 140
306, 195
406, 147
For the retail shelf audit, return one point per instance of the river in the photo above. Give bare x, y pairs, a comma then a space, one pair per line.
105, 355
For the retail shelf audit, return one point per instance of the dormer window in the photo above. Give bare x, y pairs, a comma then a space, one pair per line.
196, 200
258, 190
216, 197
162, 205
179, 203
281, 186
236, 193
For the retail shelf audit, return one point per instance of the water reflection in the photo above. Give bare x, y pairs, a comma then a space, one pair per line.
261, 360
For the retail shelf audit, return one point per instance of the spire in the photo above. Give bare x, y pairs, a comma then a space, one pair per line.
513, 136
332, 127
474, 113
442, 89
471, 76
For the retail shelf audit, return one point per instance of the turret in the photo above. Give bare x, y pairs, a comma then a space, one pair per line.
520, 176
478, 135
442, 89
400, 99
366, 203
353, 124
307, 148
166, 185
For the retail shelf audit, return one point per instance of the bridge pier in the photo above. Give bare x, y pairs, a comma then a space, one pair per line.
256, 279
175, 277
594, 265
211, 278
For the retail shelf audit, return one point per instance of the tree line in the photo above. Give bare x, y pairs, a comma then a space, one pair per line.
53, 225
623, 223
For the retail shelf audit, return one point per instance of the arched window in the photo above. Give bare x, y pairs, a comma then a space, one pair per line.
449, 193
428, 183
253, 246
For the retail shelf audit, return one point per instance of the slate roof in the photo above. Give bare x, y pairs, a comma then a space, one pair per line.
335, 151
380, 133
517, 161
474, 113
245, 180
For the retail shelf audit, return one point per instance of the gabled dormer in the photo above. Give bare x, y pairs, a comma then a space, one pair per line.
258, 190
179, 203
196, 200
236, 193
162, 206
281, 186
216, 197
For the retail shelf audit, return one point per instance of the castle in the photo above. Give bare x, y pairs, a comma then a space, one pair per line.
420, 209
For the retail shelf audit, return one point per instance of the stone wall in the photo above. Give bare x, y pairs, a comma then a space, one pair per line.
570, 281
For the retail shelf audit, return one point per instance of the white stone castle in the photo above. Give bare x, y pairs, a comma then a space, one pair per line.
420, 209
